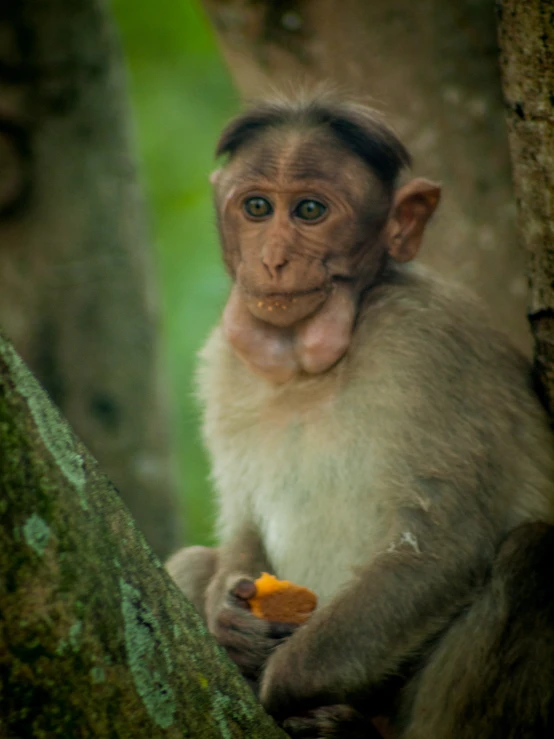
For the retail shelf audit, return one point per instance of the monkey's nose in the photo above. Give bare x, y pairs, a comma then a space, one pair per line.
275, 268
274, 260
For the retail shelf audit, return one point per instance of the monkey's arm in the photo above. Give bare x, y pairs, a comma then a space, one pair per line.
383, 619
241, 555
248, 640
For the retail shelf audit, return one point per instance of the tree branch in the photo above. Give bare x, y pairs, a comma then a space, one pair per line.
95, 640
526, 36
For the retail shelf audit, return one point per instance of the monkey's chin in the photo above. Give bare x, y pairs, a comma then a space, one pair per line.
286, 309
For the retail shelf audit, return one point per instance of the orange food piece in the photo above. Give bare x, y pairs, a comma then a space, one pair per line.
281, 600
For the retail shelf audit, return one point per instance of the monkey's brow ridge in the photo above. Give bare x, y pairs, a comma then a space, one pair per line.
355, 127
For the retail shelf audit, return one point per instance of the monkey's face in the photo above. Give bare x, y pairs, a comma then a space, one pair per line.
305, 227
298, 217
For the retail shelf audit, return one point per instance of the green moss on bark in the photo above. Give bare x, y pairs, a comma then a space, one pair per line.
95, 640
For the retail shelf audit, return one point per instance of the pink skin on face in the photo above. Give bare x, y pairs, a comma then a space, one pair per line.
279, 353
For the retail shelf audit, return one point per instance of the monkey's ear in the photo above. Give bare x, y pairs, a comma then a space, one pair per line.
214, 176
414, 204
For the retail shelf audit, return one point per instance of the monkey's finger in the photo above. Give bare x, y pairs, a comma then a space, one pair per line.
280, 629
239, 621
244, 589
328, 722
241, 630
302, 727
250, 661
247, 663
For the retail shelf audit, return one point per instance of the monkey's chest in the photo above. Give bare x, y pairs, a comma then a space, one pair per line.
316, 507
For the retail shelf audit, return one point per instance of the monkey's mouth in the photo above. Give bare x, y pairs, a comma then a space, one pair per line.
291, 296
285, 308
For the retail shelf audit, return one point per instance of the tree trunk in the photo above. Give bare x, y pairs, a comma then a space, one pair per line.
526, 33
432, 67
95, 640
76, 289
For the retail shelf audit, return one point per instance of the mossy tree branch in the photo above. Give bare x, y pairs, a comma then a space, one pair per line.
95, 640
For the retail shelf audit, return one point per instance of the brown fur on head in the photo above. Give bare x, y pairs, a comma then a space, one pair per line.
308, 214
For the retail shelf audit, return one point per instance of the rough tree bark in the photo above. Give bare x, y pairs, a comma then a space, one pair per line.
526, 33
76, 291
95, 640
432, 67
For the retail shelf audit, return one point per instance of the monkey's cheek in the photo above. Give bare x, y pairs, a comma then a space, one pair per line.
324, 339
318, 350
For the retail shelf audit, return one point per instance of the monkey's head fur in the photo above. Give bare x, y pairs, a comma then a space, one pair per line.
309, 213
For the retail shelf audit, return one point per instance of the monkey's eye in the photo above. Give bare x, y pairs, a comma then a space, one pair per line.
258, 207
310, 210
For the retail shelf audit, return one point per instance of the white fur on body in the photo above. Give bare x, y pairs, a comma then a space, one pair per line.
427, 397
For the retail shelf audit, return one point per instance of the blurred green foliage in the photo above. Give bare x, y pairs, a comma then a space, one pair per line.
181, 95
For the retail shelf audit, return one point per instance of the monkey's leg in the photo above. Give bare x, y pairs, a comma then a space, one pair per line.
492, 674
192, 568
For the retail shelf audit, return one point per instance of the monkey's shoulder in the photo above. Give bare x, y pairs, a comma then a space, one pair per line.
430, 348
423, 319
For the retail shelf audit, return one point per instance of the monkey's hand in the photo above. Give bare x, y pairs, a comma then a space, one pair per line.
301, 675
248, 640
333, 722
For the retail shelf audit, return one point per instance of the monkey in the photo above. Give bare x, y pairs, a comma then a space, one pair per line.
374, 438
